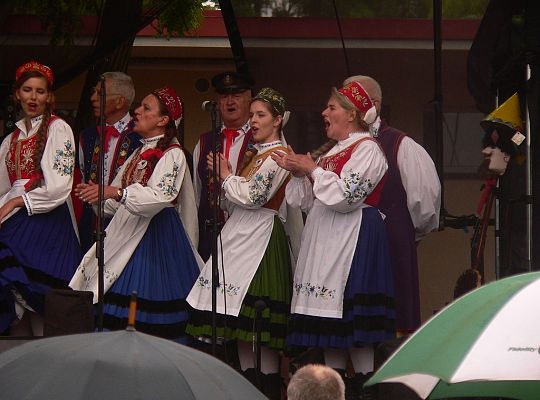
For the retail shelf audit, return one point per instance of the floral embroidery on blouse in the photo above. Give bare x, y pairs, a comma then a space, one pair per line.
260, 186
314, 289
229, 289
356, 188
166, 183
64, 159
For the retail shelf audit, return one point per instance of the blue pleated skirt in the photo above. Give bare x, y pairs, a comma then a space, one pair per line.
37, 253
162, 271
368, 305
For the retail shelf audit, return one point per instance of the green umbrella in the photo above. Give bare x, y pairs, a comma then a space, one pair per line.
486, 343
116, 366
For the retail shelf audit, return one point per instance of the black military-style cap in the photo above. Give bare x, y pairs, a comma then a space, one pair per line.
231, 82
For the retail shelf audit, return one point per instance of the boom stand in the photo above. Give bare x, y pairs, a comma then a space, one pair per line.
214, 224
100, 231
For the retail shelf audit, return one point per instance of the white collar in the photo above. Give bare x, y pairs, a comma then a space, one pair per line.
262, 147
353, 137
34, 122
151, 141
343, 144
123, 123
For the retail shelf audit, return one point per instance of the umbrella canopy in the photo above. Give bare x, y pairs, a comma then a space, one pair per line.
487, 343
117, 365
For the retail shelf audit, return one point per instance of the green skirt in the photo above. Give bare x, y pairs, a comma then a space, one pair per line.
272, 284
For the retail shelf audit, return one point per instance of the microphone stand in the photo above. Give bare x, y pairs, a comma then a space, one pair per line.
214, 225
100, 232
260, 305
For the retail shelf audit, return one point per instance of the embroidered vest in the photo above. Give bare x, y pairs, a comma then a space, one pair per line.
253, 166
335, 163
20, 156
139, 170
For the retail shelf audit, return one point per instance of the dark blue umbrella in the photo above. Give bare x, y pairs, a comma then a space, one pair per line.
117, 365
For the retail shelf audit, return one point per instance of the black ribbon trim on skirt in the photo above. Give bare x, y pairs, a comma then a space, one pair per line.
166, 331
204, 318
151, 306
8, 262
32, 274
50, 281
337, 327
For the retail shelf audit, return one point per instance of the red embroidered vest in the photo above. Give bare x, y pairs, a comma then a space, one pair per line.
20, 156
335, 163
139, 170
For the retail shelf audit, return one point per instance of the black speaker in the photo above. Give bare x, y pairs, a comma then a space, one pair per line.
68, 312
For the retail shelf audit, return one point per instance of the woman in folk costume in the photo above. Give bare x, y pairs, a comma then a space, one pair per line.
254, 258
147, 248
343, 288
39, 248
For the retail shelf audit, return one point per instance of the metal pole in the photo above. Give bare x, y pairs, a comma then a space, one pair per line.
214, 226
438, 99
100, 231
345, 56
260, 305
497, 220
528, 174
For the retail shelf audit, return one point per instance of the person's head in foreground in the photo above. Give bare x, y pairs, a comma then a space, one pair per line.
316, 382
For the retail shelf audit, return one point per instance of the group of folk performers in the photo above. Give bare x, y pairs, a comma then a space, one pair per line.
342, 282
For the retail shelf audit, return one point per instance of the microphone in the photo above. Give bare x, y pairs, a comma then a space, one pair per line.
208, 105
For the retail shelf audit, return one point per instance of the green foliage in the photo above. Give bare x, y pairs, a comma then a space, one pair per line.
179, 18
464, 8
62, 18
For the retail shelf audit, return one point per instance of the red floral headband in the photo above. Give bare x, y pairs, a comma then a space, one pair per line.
171, 101
356, 93
35, 66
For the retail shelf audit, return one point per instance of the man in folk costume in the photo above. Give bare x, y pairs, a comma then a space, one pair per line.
234, 96
411, 202
506, 162
119, 141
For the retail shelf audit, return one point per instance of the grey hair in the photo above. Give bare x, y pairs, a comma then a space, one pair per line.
122, 84
370, 84
316, 382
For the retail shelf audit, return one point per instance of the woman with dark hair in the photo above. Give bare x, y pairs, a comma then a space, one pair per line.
39, 248
147, 248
